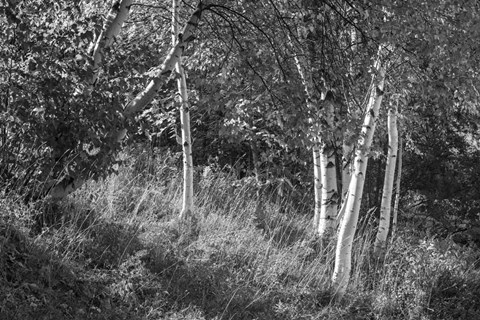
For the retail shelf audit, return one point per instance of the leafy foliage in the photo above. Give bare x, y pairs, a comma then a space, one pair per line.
51, 127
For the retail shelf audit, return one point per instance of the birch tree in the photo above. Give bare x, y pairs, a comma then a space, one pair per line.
116, 17
325, 173
158, 77
343, 253
386, 205
187, 203
317, 185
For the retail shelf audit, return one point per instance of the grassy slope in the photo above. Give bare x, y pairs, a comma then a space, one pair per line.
116, 251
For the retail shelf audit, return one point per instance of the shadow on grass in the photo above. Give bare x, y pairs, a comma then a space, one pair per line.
36, 284
218, 292
455, 297
222, 282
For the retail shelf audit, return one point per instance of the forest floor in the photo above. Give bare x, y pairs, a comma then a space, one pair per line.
116, 250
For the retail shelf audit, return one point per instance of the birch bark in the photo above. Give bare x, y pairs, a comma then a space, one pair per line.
187, 203
386, 206
317, 185
116, 17
343, 254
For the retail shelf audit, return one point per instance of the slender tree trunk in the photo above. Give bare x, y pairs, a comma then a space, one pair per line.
397, 186
329, 176
317, 175
343, 255
329, 198
386, 206
187, 204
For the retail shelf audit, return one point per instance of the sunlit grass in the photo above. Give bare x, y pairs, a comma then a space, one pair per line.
128, 251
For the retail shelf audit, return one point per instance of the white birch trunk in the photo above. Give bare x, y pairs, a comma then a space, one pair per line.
346, 177
386, 206
187, 203
329, 177
117, 15
317, 175
328, 212
397, 186
343, 254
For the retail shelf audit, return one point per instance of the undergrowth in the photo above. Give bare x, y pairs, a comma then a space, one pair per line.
116, 250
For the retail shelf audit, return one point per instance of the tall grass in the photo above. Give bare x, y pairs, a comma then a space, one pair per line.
130, 256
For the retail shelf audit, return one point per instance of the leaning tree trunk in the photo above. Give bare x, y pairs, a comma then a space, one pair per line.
187, 203
386, 206
116, 17
397, 186
66, 186
343, 254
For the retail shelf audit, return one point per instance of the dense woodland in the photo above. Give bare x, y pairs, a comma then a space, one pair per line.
238, 159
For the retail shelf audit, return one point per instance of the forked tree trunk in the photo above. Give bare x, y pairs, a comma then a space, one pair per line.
187, 203
343, 254
168, 65
386, 206
66, 186
397, 186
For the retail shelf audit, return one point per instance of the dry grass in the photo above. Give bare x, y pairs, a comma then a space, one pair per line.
116, 250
